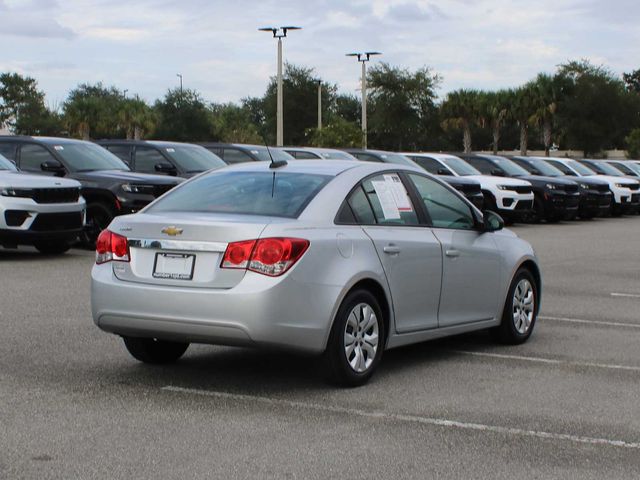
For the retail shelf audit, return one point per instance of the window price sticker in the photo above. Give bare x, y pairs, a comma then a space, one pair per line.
392, 196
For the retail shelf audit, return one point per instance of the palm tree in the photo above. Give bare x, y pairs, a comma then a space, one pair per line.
136, 118
494, 108
523, 107
460, 110
80, 116
548, 91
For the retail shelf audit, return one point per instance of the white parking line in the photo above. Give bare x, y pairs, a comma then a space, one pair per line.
548, 360
594, 322
418, 419
628, 295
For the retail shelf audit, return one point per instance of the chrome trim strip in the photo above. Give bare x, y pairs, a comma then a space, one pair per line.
177, 245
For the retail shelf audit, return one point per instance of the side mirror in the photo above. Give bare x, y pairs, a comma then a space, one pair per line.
443, 171
53, 166
497, 172
491, 221
166, 168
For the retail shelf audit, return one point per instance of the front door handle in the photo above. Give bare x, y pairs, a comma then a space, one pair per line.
391, 249
452, 252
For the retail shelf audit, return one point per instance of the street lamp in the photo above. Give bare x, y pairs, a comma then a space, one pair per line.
363, 58
319, 82
279, 33
180, 76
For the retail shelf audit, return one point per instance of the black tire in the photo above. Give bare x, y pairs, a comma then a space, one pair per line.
536, 215
507, 332
99, 216
336, 364
150, 350
53, 247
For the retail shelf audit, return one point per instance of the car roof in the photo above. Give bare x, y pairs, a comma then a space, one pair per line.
159, 143
247, 146
437, 156
47, 140
320, 167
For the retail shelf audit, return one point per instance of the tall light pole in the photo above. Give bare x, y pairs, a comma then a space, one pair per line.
364, 58
180, 76
319, 82
279, 33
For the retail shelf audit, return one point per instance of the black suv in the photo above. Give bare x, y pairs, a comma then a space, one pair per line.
108, 186
554, 198
238, 152
595, 197
169, 158
469, 188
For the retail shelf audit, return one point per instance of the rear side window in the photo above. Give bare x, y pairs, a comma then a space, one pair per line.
278, 194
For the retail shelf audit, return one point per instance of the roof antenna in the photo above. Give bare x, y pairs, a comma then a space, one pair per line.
274, 163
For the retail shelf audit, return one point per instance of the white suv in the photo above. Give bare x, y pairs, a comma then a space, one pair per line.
510, 197
46, 212
622, 188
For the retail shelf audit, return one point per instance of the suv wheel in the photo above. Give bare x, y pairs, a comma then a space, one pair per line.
99, 217
151, 350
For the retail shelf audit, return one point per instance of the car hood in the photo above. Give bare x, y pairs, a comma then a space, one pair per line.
612, 179
458, 180
543, 179
24, 180
493, 181
121, 175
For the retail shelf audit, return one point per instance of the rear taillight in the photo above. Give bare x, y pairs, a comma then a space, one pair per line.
111, 247
268, 256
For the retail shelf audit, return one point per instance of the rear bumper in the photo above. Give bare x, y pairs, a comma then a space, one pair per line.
259, 311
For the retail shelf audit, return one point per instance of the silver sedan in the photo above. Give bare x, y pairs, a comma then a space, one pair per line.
341, 259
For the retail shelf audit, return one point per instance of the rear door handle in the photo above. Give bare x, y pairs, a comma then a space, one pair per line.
452, 252
391, 249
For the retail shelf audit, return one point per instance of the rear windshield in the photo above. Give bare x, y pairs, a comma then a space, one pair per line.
278, 194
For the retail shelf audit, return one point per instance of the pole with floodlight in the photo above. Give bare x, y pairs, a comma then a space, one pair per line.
279, 33
364, 58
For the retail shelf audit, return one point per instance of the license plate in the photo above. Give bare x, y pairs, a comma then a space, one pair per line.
174, 266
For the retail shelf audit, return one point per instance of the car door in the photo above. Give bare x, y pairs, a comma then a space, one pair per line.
408, 250
32, 157
471, 260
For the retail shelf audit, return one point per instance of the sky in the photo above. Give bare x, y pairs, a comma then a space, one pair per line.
140, 45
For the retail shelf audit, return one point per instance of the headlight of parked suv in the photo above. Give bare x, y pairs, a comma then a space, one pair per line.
551, 186
621, 185
504, 187
584, 186
15, 192
133, 188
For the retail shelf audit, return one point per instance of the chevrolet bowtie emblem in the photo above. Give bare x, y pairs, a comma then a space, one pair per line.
172, 231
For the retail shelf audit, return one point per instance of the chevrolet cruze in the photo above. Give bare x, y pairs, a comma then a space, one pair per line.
341, 259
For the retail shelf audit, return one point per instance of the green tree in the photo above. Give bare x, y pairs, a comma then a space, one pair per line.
493, 111
524, 104
348, 107
233, 124
548, 92
459, 111
136, 118
22, 107
632, 81
338, 133
300, 103
633, 144
598, 111
401, 105
92, 110
183, 116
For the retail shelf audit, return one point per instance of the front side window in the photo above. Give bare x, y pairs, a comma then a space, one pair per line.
302, 155
562, 167
147, 159
32, 156
389, 200
445, 208
366, 157
193, 159
232, 155
459, 166
278, 194
123, 152
429, 164
482, 164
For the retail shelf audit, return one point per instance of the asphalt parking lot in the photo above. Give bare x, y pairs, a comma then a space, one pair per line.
73, 404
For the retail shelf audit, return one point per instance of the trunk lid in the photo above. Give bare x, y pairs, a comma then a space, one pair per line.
183, 249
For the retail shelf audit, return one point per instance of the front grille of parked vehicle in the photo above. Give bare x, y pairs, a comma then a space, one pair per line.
571, 188
56, 195
635, 198
602, 188
634, 186
55, 222
524, 205
469, 189
521, 189
161, 189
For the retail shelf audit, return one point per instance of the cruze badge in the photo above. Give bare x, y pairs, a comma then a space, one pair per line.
172, 231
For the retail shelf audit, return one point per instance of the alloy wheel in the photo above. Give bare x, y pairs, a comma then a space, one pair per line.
361, 337
523, 306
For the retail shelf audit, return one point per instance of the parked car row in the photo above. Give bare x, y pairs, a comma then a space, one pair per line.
115, 177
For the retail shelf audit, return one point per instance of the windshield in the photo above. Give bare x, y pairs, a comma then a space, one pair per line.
545, 169
460, 167
192, 158
629, 168
5, 164
335, 155
606, 169
580, 168
511, 168
278, 194
86, 157
263, 154
399, 159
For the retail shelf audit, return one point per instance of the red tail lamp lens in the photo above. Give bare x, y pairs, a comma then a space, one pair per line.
238, 254
268, 256
111, 247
